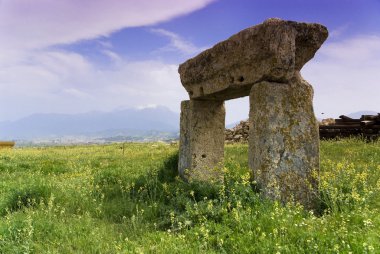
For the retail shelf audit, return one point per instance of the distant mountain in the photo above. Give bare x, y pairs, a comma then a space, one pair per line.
127, 121
360, 113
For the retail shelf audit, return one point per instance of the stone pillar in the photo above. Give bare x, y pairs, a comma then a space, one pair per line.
201, 150
284, 141
184, 160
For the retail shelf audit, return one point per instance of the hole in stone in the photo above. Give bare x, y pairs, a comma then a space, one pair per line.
201, 91
191, 93
203, 156
241, 79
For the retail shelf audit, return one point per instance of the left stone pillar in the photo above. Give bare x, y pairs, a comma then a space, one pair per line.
201, 150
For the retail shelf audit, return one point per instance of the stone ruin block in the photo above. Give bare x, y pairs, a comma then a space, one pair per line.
201, 139
264, 62
272, 51
284, 141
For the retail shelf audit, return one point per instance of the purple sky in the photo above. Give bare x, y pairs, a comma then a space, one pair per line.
73, 56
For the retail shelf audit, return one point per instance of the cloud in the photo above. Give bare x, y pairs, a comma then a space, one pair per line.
345, 76
35, 77
67, 82
26, 24
339, 31
147, 106
177, 43
112, 55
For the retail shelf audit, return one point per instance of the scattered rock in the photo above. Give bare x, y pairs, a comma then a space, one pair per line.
327, 122
239, 133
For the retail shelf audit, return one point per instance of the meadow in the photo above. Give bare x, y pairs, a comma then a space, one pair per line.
105, 199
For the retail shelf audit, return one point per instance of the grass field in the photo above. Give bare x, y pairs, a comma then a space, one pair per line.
101, 199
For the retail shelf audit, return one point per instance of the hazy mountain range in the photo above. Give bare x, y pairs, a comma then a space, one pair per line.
128, 122
358, 114
148, 124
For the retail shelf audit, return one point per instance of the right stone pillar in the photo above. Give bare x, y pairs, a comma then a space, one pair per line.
284, 141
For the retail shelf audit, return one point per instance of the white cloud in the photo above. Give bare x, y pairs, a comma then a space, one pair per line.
67, 82
77, 93
105, 44
112, 55
35, 78
26, 24
177, 43
147, 106
339, 31
345, 76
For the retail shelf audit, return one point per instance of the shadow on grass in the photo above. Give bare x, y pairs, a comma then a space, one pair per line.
160, 194
25, 197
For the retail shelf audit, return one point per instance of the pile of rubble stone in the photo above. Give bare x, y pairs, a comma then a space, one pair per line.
239, 133
368, 126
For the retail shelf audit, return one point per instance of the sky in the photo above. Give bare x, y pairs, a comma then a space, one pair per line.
73, 56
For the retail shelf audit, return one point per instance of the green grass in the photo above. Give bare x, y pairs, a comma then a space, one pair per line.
99, 199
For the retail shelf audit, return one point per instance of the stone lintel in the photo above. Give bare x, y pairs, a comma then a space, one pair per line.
272, 51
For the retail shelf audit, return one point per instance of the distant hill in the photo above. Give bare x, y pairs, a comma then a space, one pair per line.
128, 121
360, 113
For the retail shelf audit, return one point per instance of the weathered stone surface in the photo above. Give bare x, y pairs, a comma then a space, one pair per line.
184, 160
273, 51
201, 139
284, 141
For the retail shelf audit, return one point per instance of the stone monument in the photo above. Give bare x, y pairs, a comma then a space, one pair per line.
264, 63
